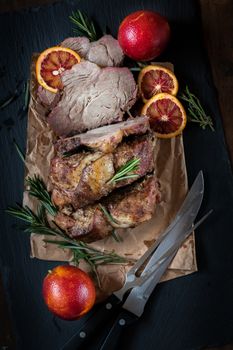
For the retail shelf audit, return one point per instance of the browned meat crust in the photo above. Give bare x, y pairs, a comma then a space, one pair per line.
104, 139
83, 178
129, 207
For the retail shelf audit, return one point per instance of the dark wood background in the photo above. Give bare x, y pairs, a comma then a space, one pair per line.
217, 26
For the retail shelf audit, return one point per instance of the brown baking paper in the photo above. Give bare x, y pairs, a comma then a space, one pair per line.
171, 172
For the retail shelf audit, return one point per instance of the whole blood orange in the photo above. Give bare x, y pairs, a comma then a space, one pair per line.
156, 79
167, 115
68, 292
143, 35
50, 65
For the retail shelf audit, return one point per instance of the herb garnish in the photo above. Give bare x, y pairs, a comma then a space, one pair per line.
17, 92
38, 190
84, 25
125, 172
113, 222
38, 223
20, 153
196, 111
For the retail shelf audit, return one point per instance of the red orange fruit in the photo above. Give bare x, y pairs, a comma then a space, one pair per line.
143, 35
155, 79
167, 115
68, 292
52, 63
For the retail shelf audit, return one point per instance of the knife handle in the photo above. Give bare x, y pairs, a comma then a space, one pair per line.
123, 320
93, 325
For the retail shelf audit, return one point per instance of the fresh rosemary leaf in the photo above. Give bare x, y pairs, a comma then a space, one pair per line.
37, 189
116, 236
142, 64
38, 224
84, 25
130, 176
7, 101
22, 213
13, 97
196, 111
26, 96
135, 69
109, 217
113, 222
20, 153
125, 172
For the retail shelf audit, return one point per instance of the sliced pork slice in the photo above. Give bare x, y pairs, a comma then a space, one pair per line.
129, 208
105, 52
92, 97
47, 98
80, 44
84, 178
104, 139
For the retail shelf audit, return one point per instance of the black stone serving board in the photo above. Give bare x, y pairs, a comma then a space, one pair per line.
186, 313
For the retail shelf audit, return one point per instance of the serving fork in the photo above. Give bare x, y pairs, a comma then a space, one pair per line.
126, 305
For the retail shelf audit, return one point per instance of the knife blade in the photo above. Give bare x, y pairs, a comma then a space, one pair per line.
182, 221
126, 318
139, 296
86, 332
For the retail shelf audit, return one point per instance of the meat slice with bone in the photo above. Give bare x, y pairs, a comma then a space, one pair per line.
128, 207
84, 178
105, 52
104, 139
92, 97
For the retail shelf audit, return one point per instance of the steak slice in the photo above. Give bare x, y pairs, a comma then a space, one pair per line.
92, 97
83, 178
129, 208
105, 52
104, 139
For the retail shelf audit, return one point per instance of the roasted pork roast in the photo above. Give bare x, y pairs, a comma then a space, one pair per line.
92, 97
85, 177
105, 52
104, 139
128, 207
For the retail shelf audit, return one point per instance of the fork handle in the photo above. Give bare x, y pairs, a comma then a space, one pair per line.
123, 320
91, 328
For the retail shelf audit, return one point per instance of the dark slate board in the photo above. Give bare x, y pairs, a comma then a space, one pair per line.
186, 313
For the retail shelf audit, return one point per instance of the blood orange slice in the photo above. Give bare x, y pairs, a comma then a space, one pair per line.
51, 63
167, 115
154, 79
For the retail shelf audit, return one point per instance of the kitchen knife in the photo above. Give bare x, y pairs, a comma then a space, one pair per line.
184, 218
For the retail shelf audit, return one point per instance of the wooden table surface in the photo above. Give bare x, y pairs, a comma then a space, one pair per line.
218, 32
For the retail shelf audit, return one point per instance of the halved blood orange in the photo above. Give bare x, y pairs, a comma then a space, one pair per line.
51, 63
167, 115
155, 79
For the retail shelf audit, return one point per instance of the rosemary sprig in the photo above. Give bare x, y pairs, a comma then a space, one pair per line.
196, 111
16, 93
113, 222
89, 254
26, 214
109, 217
37, 189
140, 66
84, 25
38, 224
125, 172
116, 236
